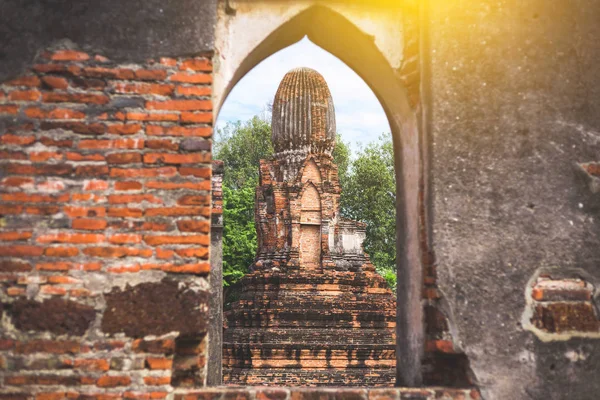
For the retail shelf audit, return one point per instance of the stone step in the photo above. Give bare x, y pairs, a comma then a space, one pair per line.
370, 377
309, 318
305, 303
309, 336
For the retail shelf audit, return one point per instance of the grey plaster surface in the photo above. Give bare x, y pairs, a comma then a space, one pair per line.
515, 106
131, 30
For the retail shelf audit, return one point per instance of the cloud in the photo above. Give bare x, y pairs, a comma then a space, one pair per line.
359, 115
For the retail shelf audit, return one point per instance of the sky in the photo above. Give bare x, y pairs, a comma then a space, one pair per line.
360, 118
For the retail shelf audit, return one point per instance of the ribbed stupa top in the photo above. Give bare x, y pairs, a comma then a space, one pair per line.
303, 116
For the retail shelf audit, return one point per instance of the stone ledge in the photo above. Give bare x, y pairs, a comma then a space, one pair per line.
291, 393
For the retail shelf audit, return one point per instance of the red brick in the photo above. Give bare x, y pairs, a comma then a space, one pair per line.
14, 266
196, 118
69, 237
34, 198
193, 91
13, 236
24, 95
62, 280
198, 269
178, 211
143, 172
21, 251
158, 346
12, 155
117, 252
17, 140
144, 88
125, 238
48, 141
185, 77
55, 82
180, 105
133, 198
87, 98
110, 381
198, 252
123, 129
95, 185
107, 73
91, 170
8, 109
191, 200
169, 158
165, 117
150, 74
65, 113
45, 170
112, 144
61, 251
29, 81
69, 55
42, 210
157, 380
124, 158
74, 126
189, 225
162, 144
15, 181
43, 156
159, 363
158, 130
123, 212
158, 240
89, 224
204, 185
91, 364
160, 253
77, 211
125, 269
128, 185
84, 157
196, 64
48, 346
200, 172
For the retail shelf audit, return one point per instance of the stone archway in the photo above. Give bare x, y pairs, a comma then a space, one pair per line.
345, 33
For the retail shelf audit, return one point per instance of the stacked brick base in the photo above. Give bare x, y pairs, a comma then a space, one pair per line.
309, 328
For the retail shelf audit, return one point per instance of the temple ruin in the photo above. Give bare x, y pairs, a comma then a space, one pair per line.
313, 311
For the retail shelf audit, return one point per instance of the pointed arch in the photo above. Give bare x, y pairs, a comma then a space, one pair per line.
311, 172
359, 50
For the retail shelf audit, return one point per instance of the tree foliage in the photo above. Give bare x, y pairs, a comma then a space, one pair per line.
241, 147
367, 194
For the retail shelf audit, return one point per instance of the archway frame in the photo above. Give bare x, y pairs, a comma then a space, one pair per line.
336, 34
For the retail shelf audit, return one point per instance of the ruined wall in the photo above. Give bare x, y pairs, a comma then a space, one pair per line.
105, 215
513, 112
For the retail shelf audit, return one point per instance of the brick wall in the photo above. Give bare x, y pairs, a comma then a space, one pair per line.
104, 222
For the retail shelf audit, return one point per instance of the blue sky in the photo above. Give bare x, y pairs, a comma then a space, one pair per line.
359, 115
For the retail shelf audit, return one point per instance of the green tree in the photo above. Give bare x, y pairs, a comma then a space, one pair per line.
241, 146
368, 196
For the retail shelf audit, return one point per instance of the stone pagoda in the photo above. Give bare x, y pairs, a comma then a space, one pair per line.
312, 311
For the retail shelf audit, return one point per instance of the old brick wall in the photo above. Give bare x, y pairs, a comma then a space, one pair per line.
105, 216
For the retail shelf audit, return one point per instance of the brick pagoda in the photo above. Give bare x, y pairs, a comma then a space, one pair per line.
313, 311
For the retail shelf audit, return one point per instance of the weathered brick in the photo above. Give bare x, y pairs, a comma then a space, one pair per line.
159, 130
69, 55
128, 185
185, 77
124, 158
157, 240
180, 105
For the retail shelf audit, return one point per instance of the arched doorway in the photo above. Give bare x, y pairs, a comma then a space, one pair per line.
335, 33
